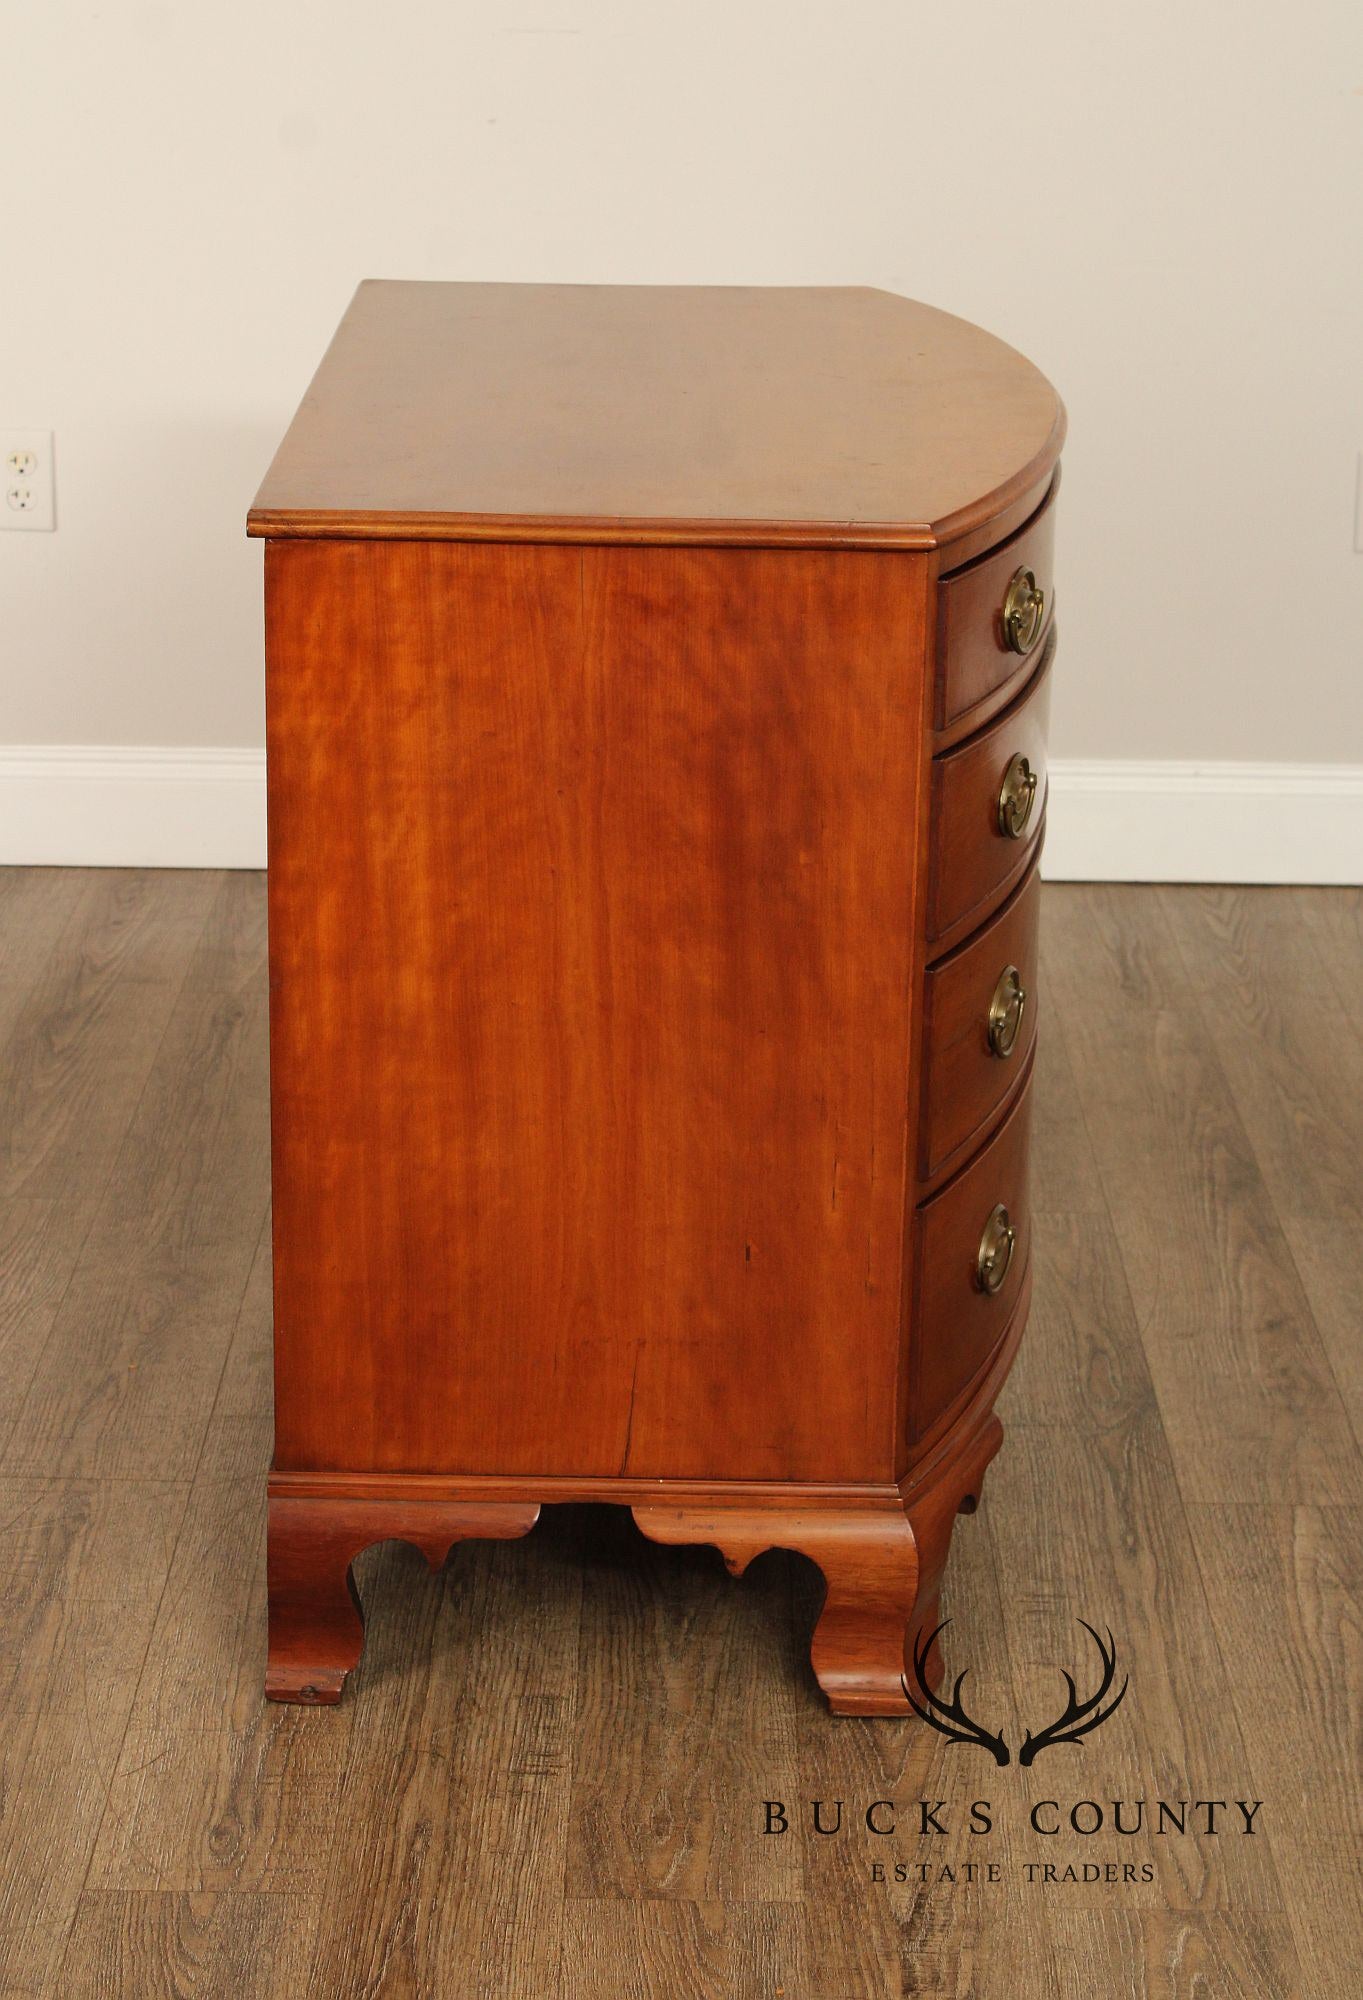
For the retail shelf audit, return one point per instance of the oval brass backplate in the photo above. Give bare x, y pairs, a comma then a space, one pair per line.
1024, 612
1006, 1010
996, 1251
1017, 796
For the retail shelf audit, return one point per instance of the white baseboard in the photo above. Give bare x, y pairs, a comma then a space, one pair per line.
132, 806
1145, 820
1110, 820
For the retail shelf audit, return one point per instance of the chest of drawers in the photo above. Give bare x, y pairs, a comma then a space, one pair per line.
656, 694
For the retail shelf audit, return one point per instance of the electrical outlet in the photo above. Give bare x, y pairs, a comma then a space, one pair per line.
27, 484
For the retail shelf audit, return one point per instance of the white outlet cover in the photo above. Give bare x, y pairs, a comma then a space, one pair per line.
28, 486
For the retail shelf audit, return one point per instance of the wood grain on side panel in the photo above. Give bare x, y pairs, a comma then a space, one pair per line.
593, 924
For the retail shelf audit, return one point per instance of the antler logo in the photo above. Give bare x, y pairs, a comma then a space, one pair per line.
949, 1719
1076, 1719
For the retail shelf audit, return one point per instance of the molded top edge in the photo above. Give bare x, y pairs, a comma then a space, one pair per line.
803, 417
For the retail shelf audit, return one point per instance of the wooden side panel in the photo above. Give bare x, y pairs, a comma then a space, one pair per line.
591, 922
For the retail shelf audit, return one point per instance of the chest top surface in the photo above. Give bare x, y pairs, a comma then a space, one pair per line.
758, 416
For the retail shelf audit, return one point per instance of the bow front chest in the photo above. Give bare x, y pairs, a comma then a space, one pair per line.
656, 690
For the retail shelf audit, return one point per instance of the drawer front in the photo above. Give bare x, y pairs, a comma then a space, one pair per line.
980, 1027
988, 805
962, 1249
993, 618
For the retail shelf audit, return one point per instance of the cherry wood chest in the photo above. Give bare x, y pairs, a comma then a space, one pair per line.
656, 688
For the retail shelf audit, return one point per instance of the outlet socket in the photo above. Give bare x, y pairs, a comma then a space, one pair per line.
28, 492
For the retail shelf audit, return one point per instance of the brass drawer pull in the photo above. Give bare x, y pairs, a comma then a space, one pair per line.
995, 1252
1006, 1010
1017, 796
1024, 612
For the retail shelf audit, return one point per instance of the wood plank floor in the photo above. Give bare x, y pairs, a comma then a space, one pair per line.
550, 1777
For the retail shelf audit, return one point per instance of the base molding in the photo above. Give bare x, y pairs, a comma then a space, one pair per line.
881, 1546
1109, 819
557, 1489
882, 1550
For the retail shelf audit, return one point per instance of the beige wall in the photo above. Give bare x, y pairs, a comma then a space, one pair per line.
1160, 204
